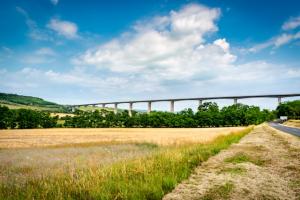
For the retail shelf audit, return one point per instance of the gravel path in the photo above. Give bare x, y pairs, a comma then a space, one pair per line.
265, 164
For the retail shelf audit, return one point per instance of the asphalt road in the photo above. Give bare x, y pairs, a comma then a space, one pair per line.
290, 130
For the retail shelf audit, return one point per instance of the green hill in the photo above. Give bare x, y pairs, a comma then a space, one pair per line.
14, 101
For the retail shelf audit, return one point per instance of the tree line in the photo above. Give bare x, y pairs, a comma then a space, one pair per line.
291, 109
208, 115
25, 118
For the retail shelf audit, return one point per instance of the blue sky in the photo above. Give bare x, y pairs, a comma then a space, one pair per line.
91, 51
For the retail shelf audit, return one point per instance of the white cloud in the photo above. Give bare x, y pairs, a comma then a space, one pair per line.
170, 47
64, 28
223, 44
275, 42
283, 39
292, 23
54, 2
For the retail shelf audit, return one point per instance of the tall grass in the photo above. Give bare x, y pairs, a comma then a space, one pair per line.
146, 178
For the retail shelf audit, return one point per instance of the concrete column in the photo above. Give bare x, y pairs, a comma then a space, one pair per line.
200, 102
130, 109
116, 108
103, 105
149, 107
73, 109
235, 100
279, 100
172, 106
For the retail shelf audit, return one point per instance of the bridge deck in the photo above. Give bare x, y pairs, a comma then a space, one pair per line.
196, 98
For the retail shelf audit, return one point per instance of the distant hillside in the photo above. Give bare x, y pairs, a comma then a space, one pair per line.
15, 101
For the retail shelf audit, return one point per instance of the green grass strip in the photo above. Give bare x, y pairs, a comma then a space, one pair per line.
145, 178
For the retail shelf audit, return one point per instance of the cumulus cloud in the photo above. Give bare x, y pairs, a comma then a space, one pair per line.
166, 47
64, 28
292, 23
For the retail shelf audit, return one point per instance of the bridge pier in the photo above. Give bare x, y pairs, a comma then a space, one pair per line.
149, 107
235, 100
130, 109
172, 106
279, 100
200, 102
116, 108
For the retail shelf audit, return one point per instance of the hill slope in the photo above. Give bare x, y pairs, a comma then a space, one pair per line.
15, 101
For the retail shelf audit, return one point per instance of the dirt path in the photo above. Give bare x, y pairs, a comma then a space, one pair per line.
264, 165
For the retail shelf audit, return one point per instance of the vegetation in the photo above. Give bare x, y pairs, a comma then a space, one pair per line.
242, 157
28, 102
219, 192
144, 178
23, 118
290, 109
208, 115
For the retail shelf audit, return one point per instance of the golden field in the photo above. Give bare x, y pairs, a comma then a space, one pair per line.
292, 123
104, 163
87, 136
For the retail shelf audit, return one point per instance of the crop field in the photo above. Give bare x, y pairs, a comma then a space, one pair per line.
88, 136
104, 163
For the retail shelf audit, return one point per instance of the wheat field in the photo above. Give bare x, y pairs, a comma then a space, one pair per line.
59, 137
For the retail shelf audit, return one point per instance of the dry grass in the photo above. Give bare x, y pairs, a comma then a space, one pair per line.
265, 164
110, 171
292, 123
60, 137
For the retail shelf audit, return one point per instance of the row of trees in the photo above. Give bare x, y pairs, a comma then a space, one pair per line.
24, 118
208, 115
290, 109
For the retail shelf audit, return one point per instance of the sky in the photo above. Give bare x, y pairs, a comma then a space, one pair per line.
86, 51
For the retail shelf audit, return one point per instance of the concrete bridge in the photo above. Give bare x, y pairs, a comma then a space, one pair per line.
172, 101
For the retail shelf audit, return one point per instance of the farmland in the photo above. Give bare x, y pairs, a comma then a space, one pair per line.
104, 163
77, 136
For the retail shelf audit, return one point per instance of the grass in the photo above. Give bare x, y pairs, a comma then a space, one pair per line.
242, 157
219, 192
148, 177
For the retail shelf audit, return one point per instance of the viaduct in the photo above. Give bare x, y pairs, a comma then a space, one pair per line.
172, 101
